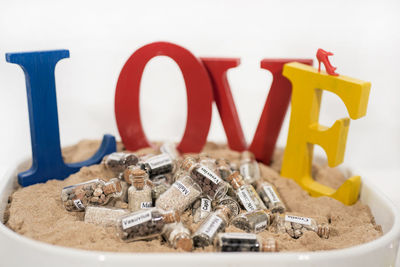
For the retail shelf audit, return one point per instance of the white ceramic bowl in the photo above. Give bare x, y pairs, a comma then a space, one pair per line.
16, 250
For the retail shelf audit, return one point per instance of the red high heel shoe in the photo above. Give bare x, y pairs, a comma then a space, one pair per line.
323, 55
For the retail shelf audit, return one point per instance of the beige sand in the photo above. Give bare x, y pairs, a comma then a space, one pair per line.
37, 212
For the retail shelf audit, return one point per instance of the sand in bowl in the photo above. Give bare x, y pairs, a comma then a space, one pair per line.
38, 213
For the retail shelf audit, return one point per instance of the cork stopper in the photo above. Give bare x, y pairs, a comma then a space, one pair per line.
183, 242
236, 180
188, 163
323, 231
112, 187
138, 178
128, 173
247, 155
172, 217
269, 245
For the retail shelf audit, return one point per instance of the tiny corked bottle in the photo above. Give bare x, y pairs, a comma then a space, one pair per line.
139, 194
223, 168
180, 195
159, 164
145, 224
201, 209
243, 242
249, 167
246, 193
216, 222
253, 221
119, 161
211, 184
178, 236
296, 225
170, 149
94, 192
270, 196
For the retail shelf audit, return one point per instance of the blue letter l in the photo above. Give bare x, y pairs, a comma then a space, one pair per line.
47, 162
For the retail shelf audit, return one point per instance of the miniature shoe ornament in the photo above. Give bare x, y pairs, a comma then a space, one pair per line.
322, 56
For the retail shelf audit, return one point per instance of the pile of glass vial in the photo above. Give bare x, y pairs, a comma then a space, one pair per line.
153, 191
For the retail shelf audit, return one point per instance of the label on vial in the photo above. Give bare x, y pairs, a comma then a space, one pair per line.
182, 188
209, 174
246, 200
205, 204
245, 170
239, 236
211, 226
260, 226
146, 205
136, 219
298, 219
273, 197
159, 161
78, 204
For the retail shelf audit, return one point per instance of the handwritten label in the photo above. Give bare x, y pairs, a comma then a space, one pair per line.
136, 219
273, 197
205, 204
159, 161
246, 199
78, 204
211, 226
182, 188
209, 174
298, 219
146, 205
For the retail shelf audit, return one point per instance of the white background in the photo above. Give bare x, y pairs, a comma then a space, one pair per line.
101, 35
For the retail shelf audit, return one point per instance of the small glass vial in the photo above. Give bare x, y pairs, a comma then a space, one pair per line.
243, 242
216, 222
270, 196
211, 184
169, 148
104, 216
249, 167
178, 236
160, 164
139, 194
94, 192
180, 195
246, 193
223, 168
230, 202
119, 161
145, 224
201, 209
253, 221
160, 185
296, 225
205, 160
